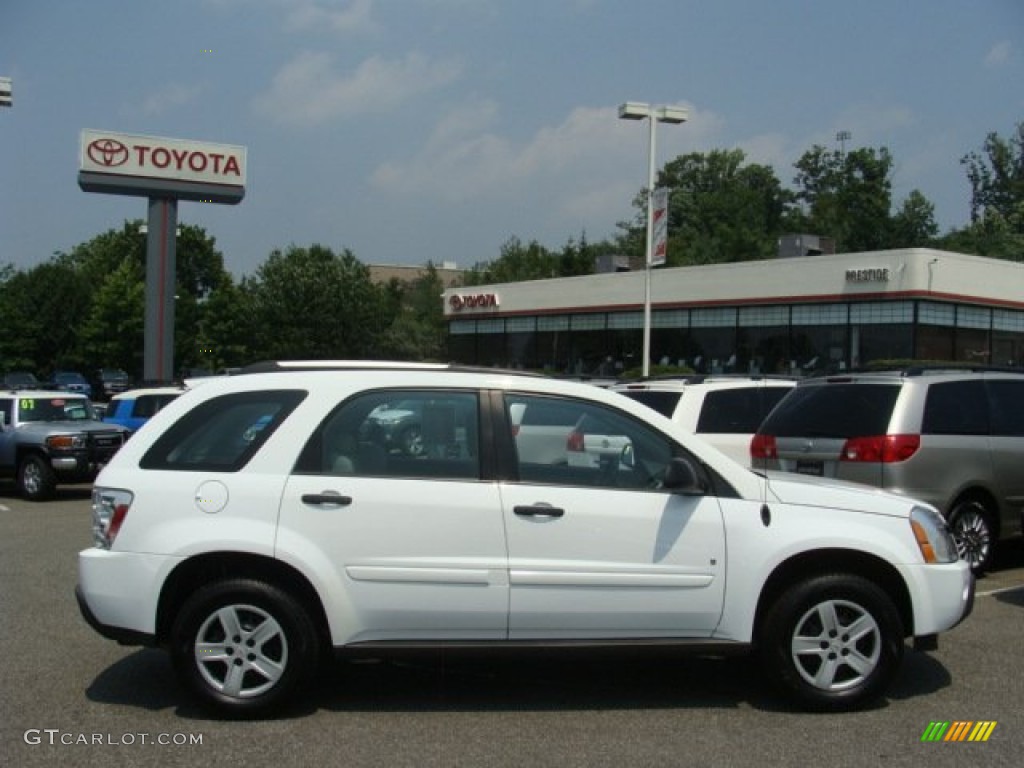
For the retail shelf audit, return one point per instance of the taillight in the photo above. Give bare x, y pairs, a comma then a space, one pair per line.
764, 447
109, 509
575, 442
886, 449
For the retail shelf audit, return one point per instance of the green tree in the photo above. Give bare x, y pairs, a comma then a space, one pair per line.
112, 333
996, 175
914, 225
313, 303
120, 256
993, 236
225, 328
516, 263
41, 313
845, 196
419, 330
720, 209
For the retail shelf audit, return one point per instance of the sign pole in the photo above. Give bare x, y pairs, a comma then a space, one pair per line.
161, 243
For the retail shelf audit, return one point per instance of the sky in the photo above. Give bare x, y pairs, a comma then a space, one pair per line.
410, 131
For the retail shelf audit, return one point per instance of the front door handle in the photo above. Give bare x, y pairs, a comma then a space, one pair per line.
538, 510
326, 499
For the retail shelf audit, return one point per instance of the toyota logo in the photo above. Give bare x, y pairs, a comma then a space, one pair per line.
108, 152
456, 302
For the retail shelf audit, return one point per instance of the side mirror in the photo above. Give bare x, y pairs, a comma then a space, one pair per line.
681, 478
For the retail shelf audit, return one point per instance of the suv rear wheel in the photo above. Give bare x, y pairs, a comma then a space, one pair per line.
832, 642
970, 522
243, 646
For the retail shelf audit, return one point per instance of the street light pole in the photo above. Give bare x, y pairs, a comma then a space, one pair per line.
633, 110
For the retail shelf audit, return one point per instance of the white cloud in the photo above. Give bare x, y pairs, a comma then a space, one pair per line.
771, 149
309, 90
583, 171
999, 54
871, 124
345, 18
167, 99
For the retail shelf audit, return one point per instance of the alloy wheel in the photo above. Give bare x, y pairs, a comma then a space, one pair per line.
836, 645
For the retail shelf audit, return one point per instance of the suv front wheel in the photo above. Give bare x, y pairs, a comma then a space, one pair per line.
36, 478
971, 525
833, 642
244, 646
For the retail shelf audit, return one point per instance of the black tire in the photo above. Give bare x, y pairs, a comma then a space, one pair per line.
832, 642
971, 524
260, 646
36, 478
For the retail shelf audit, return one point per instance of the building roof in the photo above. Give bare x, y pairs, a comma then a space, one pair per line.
920, 273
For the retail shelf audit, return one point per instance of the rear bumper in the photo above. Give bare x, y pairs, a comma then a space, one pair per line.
119, 634
118, 593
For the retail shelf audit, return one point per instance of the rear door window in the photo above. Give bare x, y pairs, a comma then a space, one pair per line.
428, 434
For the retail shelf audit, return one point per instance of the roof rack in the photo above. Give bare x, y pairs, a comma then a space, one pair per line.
700, 378
284, 366
922, 369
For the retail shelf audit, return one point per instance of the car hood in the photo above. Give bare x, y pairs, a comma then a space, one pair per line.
791, 488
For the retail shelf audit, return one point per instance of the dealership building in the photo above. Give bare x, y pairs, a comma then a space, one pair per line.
788, 315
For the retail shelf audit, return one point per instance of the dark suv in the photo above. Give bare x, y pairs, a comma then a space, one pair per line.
953, 438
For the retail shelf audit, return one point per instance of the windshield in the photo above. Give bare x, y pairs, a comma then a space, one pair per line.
17, 380
54, 409
69, 378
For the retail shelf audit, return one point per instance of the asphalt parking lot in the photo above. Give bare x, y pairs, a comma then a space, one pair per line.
68, 696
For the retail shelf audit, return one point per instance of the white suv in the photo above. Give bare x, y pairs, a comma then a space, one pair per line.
258, 522
724, 410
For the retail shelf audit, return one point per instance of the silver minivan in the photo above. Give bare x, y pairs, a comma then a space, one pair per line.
953, 438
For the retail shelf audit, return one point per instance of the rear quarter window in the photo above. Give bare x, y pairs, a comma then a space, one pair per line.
663, 402
833, 410
737, 411
146, 406
1007, 399
222, 434
956, 408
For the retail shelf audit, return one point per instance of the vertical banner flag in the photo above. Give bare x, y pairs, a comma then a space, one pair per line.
659, 249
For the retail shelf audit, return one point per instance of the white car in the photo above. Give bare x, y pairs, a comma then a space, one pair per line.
250, 529
725, 410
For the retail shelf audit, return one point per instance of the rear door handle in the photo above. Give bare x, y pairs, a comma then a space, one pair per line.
538, 510
326, 499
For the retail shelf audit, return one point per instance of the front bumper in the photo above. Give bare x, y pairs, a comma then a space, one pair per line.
945, 597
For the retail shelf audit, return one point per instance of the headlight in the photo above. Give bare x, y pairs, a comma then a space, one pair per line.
933, 537
66, 442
